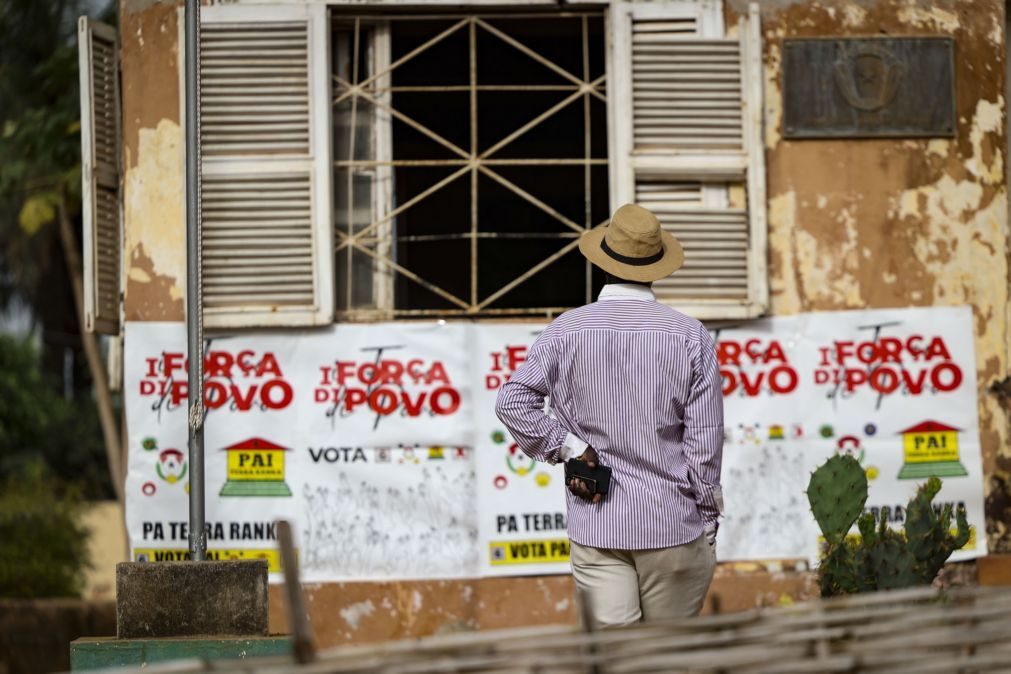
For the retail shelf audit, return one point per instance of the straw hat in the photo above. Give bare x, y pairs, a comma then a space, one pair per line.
633, 246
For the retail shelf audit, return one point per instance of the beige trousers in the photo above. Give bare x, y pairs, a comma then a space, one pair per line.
626, 586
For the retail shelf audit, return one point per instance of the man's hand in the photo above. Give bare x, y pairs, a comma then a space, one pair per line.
710, 533
578, 487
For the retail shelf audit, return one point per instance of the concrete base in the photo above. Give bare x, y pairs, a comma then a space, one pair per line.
108, 653
183, 599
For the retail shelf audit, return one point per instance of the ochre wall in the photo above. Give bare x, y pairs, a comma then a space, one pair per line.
153, 145
852, 223
899, 222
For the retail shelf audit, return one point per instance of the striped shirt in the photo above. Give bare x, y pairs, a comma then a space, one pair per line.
639, 383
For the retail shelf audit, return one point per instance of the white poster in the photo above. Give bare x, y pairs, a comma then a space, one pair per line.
894, 388
357, 434
520, 502
380, 442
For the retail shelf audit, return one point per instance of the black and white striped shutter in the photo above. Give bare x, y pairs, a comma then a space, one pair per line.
265, 142
685, 105
100, 175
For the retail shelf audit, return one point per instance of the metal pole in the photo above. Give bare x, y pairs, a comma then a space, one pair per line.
194, 286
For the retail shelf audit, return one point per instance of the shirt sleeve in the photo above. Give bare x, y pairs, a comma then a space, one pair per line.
703, 436
520, 406
572, 448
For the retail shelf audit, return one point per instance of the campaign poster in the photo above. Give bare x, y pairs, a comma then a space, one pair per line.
520, 502
894, 388
380, 442
335, 430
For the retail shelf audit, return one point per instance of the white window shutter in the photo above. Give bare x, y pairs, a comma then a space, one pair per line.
100, 175
685, 107
266, 166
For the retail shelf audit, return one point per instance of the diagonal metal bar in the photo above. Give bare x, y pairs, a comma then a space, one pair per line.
404, 59
531, 198
527, 274
403, 207
541, 117
421, 128
505, 37
414, 277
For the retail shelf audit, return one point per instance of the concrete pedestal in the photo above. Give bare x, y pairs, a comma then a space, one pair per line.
183, 599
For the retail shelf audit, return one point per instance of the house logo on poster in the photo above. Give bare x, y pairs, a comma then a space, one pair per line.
930, 450
255, 468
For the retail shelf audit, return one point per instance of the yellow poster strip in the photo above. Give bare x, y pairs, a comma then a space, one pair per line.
272, 555
543, 551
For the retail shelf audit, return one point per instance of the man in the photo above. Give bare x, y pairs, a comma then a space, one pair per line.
635, 386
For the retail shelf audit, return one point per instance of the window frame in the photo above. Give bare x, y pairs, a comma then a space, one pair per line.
715, 170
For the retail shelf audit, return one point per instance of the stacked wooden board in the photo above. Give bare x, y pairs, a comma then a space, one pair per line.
908, 631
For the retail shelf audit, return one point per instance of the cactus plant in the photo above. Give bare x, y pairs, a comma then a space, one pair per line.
837, 493
891, 563
929, 534
882, 558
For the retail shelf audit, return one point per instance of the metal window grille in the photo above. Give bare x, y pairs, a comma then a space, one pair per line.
370, 204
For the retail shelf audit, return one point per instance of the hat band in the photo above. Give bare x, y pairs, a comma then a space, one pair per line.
634, 261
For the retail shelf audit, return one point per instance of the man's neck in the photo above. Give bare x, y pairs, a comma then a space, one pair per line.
627, 291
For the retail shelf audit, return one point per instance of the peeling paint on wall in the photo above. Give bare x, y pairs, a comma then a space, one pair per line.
879, 223
928, 18
354, 613
154, 222
156, 225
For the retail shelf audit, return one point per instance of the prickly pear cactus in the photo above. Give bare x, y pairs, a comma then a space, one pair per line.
929, 534
883, 558
892, 565
837, 493
841, 570
866, 523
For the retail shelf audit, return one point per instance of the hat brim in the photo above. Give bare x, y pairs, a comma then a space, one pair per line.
673, 257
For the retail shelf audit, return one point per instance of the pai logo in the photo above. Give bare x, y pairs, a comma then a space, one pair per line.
255, 468
931, 449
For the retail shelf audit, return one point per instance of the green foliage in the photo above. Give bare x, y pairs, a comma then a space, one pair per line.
881, 558
40, 140
892, 565
37, 424
929, 534
43, 546
40, 173
837, 493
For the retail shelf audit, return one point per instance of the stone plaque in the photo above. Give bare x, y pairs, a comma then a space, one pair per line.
869, 87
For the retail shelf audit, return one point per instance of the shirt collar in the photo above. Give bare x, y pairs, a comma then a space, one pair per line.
626, 291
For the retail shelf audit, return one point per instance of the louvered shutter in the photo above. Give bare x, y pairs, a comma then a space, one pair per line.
265, 143
685, 107
100, 171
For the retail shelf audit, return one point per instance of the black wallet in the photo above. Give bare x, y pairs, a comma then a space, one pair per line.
597, 480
